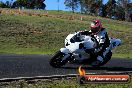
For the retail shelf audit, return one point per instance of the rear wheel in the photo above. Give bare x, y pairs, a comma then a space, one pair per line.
56, 61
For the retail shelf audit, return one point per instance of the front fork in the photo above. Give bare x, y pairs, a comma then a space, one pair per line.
66, 57
67, 54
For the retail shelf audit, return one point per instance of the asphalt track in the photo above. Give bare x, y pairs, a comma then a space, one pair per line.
12, 65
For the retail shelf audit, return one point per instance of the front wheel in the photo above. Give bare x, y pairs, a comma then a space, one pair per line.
57, 60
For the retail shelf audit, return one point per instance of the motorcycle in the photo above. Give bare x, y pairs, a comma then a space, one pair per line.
74, 50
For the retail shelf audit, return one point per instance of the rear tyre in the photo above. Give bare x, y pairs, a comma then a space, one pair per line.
56, 60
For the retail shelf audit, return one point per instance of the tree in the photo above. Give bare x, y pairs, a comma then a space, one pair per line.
7, 4
2, 5
95, 6
110, 8
125, 5
38, 4
103, 11
90, 6
120, 12
73, 4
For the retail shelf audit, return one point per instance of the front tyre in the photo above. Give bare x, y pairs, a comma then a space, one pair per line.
56, 61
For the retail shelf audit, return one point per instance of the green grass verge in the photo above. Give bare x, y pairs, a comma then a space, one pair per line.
24, 34
122, 55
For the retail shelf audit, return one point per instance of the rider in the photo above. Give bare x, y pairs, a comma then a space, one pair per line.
101, 36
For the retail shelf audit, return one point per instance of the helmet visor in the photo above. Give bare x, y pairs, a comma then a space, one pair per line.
93, 24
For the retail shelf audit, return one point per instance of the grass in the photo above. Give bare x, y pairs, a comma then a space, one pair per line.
122, 55
29, 34
64, 83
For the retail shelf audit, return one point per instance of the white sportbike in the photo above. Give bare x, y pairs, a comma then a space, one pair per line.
74, 50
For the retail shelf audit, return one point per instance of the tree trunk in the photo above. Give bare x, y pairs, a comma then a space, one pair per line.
73, 3
126, 10
126, 15
81, 6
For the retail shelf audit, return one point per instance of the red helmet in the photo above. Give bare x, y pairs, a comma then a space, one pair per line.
96, 26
